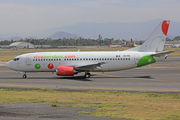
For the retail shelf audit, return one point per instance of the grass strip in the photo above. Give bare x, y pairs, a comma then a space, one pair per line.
112, 104
23, 51
7, 58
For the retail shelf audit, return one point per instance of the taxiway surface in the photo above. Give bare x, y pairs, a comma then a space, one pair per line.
162, 76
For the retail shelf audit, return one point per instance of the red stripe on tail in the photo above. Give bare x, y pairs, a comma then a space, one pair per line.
165, 26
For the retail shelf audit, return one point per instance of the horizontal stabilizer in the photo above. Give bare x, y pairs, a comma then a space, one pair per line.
161, 53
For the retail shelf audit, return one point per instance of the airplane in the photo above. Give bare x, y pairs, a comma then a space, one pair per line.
72, 63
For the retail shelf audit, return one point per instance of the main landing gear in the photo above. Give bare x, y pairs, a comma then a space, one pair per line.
87, 75
24, 76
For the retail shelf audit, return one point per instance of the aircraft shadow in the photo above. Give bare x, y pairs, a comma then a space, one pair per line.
146, 77
77, 78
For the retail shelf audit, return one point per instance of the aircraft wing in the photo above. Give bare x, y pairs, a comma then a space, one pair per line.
161, 53
89, 67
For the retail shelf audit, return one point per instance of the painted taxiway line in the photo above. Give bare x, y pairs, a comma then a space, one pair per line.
90, 88
103, 74
157, 68
7, 71
108, 75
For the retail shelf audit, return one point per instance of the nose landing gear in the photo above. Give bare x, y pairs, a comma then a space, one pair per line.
24, 76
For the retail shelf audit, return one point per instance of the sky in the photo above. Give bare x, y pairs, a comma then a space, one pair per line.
35, 15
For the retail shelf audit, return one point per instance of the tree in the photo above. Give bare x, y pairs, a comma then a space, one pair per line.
131, 40
168, 39
177, 38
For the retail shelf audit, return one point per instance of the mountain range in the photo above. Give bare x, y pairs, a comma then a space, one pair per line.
118, 30
62, 34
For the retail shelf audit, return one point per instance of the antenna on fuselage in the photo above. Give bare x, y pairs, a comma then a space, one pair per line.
79, 50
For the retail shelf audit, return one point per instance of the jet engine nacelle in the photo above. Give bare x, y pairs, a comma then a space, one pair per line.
65, 71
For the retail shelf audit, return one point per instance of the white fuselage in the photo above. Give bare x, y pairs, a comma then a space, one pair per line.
48, 61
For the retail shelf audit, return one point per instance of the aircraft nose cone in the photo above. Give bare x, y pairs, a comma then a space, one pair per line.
7, 64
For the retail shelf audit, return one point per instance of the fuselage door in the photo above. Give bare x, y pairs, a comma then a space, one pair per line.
136, 59
28, 60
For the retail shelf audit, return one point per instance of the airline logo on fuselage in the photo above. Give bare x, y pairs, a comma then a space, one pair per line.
55, 56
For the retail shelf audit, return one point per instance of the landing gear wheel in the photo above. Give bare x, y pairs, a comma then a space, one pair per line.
24, 76
87, 75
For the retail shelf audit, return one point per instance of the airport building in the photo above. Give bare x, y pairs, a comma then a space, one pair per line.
21, 45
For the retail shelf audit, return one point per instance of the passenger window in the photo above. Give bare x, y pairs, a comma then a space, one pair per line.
115, 58
80, 58
123, 58
126, 58
51, 59
77, 59
94, 58
129, 58
107, 58
38, 59
102, 58
86, 59
99, 58
110, 59
64, 59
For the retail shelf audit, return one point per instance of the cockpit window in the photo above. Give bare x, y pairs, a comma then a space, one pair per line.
15, 59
